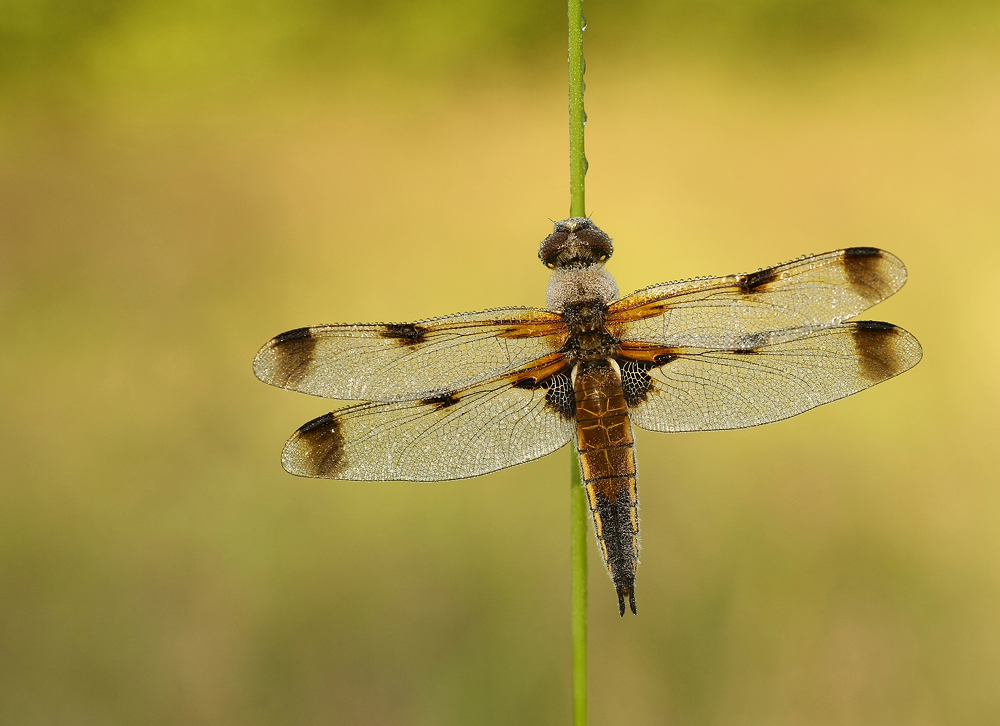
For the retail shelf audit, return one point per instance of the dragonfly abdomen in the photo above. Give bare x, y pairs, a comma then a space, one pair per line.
607, 461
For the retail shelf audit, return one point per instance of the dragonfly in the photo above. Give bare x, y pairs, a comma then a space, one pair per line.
468, 394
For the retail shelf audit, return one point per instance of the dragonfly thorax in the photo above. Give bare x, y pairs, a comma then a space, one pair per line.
589, 339
573, 285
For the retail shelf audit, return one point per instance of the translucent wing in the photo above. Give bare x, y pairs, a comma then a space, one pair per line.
688, 389
450, 436
408, 361
740, 311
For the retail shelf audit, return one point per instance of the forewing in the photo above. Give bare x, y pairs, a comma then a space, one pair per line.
451, 436
705, 390
408, 361
742, 311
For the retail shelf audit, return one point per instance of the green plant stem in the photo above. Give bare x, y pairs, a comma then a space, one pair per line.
578, 498
577, 115
578, 558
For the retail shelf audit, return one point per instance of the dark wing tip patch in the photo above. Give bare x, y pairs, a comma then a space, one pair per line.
316, 449
884, 350
285, 360
867, 272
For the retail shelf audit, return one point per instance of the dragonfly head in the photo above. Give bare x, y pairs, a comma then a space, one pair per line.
575, 242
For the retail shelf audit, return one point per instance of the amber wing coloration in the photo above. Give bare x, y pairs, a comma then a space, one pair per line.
742, 311
607, 462
408, 361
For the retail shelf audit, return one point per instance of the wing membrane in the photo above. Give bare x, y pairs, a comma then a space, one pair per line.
739, 311
408, 361
451, 436
705, 390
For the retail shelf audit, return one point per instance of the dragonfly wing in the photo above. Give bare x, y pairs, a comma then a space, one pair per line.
686, 389
453, 435
740, 311
408, 361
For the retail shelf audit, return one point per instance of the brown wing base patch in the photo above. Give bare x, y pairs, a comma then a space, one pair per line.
635, 363
555, 378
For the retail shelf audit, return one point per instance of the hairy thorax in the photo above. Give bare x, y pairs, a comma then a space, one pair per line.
582, 295
580, 284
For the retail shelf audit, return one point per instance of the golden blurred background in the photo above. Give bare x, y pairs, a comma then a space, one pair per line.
179, 181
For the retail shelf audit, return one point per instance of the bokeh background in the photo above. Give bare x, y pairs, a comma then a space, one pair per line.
179, 181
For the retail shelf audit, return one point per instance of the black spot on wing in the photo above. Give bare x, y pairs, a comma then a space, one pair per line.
757, 281
443, 401
874, 325
405, 333
324, 421
876, 344
316, 449
289, 336
854, 252
529, 384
